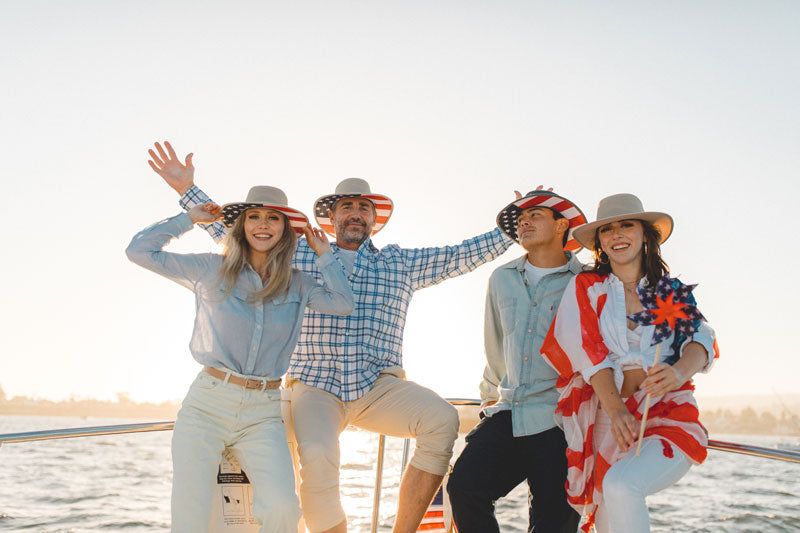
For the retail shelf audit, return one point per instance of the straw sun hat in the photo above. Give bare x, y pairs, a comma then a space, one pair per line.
622, 207
349, 188
507, 218
265, 197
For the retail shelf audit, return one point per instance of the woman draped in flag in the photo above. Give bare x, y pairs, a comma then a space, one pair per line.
605, 365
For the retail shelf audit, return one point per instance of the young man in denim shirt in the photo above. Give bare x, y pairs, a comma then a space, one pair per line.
518, 439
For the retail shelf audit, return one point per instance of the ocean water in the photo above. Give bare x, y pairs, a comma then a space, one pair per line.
122, 483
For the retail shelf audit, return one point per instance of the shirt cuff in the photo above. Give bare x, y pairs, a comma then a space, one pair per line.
325, 259
193, 197
505, 240
705, 336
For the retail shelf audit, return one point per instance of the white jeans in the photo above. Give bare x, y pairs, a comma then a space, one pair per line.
216, 415
631, 479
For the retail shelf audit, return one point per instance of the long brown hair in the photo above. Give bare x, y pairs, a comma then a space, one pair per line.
653, 265
279, 261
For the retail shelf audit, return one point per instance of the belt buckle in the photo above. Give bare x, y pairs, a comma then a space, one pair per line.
254, 383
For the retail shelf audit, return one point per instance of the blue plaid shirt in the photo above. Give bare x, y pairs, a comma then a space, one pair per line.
345, 355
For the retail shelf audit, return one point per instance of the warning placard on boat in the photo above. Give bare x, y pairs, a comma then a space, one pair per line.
231, 511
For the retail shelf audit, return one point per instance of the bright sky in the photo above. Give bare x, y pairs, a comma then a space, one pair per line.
446, 107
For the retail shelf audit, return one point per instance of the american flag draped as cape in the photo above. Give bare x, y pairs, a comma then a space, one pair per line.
575, 343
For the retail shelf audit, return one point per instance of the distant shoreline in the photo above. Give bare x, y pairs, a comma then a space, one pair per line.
122, 408
747, 416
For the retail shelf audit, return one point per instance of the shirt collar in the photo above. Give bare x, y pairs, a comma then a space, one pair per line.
366, 247
573, 264
642, 282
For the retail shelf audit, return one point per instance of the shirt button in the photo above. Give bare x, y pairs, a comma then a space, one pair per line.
258, 326
535, 304
526, 357
516, 403
530, 331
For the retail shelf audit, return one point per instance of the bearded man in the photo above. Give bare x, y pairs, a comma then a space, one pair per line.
348, 370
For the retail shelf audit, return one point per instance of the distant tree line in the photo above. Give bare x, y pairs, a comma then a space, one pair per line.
717, 421
122, 407
748, 420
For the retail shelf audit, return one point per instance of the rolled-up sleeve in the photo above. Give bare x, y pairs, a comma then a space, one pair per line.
195, 196
705, 336
587, 373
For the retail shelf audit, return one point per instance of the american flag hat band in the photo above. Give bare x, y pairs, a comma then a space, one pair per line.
507, 218
350, 188
266, 197
230, 212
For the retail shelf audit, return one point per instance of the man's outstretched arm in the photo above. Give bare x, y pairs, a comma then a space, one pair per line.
180, 177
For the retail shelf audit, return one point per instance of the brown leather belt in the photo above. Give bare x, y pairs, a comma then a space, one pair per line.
260, 384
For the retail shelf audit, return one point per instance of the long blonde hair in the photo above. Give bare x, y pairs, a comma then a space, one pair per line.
279, 261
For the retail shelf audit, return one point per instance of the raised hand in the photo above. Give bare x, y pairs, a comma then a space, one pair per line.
539, 188
317, 240
179, 176
205, 213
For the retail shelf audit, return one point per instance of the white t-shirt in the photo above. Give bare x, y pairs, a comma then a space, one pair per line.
534, 273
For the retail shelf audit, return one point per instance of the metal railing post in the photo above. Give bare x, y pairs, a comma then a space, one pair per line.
376, 504
406, 451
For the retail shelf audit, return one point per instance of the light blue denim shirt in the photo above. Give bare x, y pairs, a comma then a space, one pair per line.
517, 319
250, 338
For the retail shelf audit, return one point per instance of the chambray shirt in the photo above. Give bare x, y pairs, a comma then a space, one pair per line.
517, 319
345, 355
250, 338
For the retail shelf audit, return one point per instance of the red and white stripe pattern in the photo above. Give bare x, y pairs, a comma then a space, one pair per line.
434, 519
573, 343
383, 210
230, 212
507, 219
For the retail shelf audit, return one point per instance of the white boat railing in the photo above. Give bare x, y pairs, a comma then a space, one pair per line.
119, 429
94, 431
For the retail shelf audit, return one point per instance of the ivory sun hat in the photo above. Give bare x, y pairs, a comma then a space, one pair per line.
347, 188
507, 218
622, 207
267, 197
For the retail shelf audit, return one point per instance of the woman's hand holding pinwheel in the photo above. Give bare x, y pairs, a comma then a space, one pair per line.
661, 379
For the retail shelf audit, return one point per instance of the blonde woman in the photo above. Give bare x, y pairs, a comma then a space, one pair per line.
605, 366
250, 306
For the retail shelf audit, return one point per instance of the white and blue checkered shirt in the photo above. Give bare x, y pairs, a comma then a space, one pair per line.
343, 355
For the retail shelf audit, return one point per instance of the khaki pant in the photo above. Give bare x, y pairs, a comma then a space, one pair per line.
216, 415
393, 407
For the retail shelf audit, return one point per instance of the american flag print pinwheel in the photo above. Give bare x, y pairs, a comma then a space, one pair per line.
669, 307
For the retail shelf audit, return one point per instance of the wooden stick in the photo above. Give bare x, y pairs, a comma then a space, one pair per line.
646, 406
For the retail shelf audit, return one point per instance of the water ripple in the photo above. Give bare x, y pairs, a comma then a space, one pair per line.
123, 483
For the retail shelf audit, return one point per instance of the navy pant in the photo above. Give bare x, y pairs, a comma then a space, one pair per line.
494, 462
